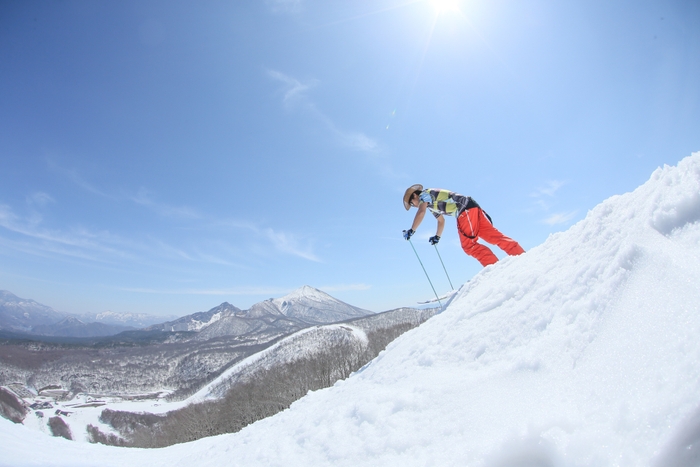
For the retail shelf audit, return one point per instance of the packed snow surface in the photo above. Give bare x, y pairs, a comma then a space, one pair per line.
585, 351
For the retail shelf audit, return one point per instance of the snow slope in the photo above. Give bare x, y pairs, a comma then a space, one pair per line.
582, 352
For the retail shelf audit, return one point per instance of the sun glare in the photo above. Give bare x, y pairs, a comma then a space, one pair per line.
445, 6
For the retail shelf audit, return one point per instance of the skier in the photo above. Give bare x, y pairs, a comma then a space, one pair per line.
472, 222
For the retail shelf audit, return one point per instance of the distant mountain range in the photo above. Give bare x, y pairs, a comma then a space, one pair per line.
25, 316
22, 315
302, 308
73, 327
184, 354
131, 320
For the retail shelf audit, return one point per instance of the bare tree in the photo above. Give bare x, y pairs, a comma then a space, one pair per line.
59, 428
11, 407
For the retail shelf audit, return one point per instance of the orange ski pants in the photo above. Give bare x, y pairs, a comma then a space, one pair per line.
473, 225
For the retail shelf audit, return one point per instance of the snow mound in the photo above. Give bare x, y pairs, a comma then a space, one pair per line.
582, 352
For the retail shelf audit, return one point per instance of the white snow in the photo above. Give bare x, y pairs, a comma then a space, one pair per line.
304, 291
585, 351
199, 325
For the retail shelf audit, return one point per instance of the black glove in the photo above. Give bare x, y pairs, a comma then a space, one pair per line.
434, 240
408, 233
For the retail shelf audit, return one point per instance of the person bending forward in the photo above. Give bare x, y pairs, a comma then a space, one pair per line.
472, 222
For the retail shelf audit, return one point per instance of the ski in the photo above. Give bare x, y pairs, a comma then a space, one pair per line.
443, 297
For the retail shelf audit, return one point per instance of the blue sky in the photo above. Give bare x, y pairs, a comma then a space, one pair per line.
164, 157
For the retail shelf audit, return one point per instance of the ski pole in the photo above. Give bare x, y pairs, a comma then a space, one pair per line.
426, 273
444, 268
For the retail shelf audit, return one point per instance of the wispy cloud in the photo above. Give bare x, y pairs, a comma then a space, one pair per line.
31, 236
40, 199
359, 141
549, 189
282, 241
74, 176
102, 245
144, 199
290, 244
234, 224
560, 218
351, 139
296, 96
294, 90
544, 195
77, 242
168, 251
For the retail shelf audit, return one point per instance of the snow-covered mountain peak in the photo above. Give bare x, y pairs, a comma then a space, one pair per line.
8, 299
315, 306
21, 314
305, 292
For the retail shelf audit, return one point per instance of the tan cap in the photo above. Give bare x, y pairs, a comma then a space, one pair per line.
412, 189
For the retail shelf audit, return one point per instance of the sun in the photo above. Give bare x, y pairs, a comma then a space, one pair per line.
445, 6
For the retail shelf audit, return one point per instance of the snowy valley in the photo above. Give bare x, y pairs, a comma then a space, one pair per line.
67, 383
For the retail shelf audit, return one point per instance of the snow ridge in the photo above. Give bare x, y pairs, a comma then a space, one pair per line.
286, 350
